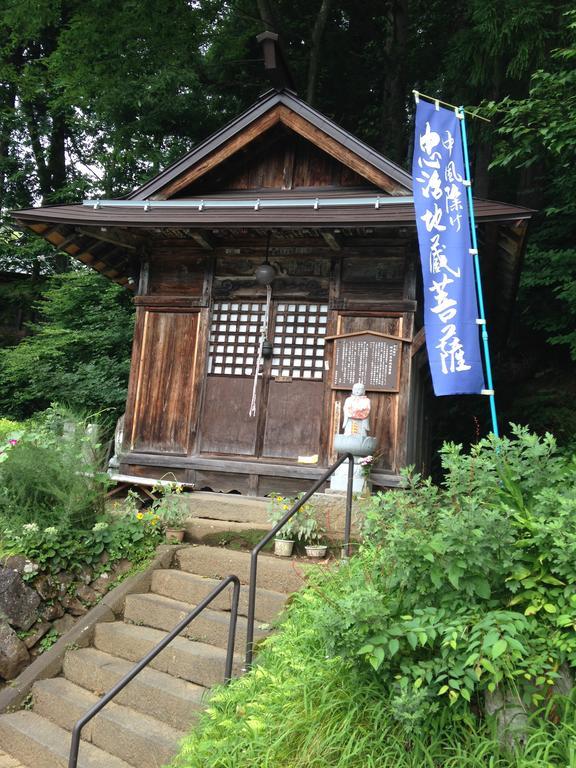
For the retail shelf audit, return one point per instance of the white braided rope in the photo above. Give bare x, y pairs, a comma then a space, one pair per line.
259, 360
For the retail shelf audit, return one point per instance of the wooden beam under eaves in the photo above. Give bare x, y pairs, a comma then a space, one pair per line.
107, 238
331, 240
203, 239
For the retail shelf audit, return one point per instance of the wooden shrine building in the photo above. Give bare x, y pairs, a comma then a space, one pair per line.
281, 184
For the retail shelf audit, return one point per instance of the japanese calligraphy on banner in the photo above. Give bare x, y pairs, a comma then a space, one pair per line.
450, 303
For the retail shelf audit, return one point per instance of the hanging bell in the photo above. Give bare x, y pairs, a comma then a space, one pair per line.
267, 349
265, 274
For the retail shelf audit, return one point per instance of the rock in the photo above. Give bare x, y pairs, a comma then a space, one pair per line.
64, 624
102, 584
64, 580
72, 605
564, 683
120, 568
18, 603
510, 715
14, 655
85, 574
46, 586
86, 594
51, 611
14, 563
38, 632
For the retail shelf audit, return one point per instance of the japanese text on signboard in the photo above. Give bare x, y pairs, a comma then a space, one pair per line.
450, 304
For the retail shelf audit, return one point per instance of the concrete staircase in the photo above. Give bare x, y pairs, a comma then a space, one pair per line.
212, 516
147, 720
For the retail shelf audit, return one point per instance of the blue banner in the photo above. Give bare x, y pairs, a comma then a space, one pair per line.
450, 303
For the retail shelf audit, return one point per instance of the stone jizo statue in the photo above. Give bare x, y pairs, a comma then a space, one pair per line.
356, 412
354, 439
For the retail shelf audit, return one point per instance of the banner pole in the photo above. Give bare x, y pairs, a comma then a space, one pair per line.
474, 250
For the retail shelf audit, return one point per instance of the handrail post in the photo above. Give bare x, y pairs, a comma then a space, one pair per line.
251, 608
261, 544
232, 631
348, 520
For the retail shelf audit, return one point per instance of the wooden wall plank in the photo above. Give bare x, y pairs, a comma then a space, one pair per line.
164, 383
293, 419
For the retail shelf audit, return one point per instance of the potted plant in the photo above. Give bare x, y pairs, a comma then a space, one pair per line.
277, 508
170, 510
309, 531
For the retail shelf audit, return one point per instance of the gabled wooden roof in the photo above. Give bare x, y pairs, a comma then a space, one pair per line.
112, 240
272, 108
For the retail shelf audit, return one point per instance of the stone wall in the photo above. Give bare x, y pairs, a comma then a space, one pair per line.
37, 608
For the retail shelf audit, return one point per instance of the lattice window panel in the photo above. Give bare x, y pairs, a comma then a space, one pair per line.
234, 338
299, 340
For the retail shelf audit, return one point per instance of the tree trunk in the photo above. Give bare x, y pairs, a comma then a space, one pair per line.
316, 49
268, 14
394, 87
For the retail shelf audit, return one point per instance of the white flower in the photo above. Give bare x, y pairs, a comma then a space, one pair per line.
51, 530
30, 568
100, 526
30, 528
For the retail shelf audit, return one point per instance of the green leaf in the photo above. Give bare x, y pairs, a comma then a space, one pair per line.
549, 608
377, 657
488, 666
393, 646
368, 648
498, 648
454, 576
412, 640
482, 588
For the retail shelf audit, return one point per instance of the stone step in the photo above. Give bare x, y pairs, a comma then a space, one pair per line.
211, 627
191, 588
39, 743
231, 507
196, 662
138, 739
217, 533
273, 573
170, 699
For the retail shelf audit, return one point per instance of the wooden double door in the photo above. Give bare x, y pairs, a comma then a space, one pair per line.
289, 390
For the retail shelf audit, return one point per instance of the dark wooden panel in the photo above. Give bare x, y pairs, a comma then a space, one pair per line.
293, 419
224, 482
179, 274
284, 485
165, 381
406, 381
378, 277
157, 473
226, 427
279, 159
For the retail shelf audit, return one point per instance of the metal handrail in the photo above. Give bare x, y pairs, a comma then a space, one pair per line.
123, 682
279, 525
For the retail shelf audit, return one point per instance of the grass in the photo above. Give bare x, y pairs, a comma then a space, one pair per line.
237, 540
299, 709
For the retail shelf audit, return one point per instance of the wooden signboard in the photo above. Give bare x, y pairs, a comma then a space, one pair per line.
370, 358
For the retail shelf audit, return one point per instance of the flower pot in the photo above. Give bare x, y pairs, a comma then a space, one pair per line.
283, 547
175, 534
316, 550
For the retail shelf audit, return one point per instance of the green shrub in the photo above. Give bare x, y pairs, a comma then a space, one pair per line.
133, 536
299, 708
52, 474
7, 429
469, 586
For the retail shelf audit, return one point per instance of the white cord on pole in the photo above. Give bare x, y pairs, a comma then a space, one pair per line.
259, 360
